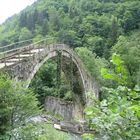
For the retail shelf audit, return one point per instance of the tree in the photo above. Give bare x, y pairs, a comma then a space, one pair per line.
114, 33
17, 105
95, 44
91, 62
69, 37
54, 19
129, 50
23, 19
117, 115
25, 34
129, 14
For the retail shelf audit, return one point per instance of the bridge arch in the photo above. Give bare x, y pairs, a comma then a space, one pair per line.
26, 69
52, 53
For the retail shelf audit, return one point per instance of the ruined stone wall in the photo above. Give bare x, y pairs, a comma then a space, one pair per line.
59, 106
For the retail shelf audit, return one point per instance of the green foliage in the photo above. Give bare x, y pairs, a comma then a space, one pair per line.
40, 131
95, 24
44, 83
129, 50
117, 116
25, 34
129, 15
17, 105
91, 62
87, 137
119, 74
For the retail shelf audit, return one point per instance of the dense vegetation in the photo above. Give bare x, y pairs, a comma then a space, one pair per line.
18, 107
99, 31
101, 26
117, 116
45, 83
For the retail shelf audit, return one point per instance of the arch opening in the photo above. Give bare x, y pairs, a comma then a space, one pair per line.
73, 80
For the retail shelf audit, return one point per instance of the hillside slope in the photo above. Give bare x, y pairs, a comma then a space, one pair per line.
96, 24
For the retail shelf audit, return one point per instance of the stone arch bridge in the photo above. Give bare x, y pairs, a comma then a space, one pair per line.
22, 63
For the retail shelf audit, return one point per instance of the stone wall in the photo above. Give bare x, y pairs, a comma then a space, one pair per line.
59, 106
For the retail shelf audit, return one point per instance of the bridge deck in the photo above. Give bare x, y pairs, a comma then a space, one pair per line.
15, 58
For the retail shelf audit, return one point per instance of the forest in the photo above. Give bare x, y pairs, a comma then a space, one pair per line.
106, 36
